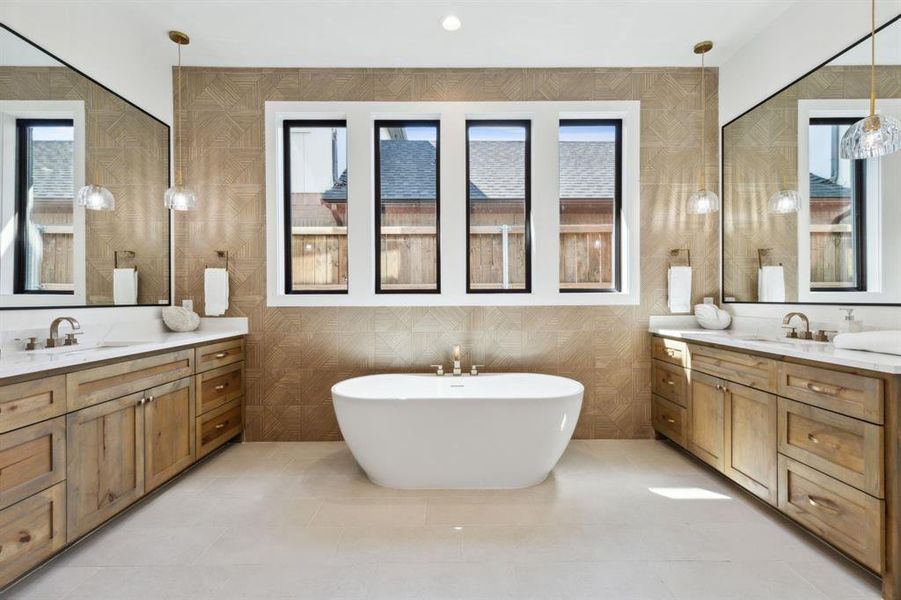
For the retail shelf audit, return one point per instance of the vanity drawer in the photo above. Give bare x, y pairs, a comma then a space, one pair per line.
31, 531
219, 354
670, 351
218, 426
669, 381
32, 401
842, 515
32, 459
669, 419
219, 386
846, 393
92, 386
753, 371
848, 449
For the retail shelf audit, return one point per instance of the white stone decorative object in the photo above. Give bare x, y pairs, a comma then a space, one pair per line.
179, 318
710, 316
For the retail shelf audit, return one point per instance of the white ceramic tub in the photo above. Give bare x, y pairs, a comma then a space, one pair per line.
412, 431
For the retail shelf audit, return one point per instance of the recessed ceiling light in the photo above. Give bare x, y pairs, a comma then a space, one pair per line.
451, 23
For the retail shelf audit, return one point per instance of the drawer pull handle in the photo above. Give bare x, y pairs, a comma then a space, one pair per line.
823, 504
221, 387
821, 390
24, 537
670, 352
813, 438
220, 355
669, 420
221, 425
670, 382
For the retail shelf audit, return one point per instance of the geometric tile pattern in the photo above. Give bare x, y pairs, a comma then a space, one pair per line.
760, 157
127, 152
296, 354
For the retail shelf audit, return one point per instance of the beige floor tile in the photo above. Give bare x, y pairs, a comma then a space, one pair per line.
618, 520
359, 512
442, 581
745, 580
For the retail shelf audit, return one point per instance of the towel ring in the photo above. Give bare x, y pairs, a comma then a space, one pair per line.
683, 254
127, 254
220, 254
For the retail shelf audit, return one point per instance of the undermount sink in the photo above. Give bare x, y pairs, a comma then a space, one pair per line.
84, 347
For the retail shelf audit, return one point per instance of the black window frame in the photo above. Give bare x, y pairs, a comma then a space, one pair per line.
526, 124
859, 201
617, 124
22, 184
287, 125
377, 201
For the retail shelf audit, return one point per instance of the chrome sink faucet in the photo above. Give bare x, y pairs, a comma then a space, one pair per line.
54, 340
786, 323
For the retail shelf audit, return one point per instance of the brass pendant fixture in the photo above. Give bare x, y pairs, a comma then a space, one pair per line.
703, 201
179, 197
876, 135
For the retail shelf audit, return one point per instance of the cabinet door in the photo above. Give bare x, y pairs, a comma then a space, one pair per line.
752, 440
105, 461
707, 419
168, 431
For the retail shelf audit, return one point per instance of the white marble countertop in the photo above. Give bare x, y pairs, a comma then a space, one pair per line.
116, 341
808, 350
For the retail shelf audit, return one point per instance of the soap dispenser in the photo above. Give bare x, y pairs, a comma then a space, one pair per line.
849, 324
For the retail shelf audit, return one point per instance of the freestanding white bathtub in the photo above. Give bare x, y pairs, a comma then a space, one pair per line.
428, 432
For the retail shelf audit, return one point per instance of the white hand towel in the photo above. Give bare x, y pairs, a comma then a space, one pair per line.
215, 291
679, 281
771, 284
886, 342
125, 286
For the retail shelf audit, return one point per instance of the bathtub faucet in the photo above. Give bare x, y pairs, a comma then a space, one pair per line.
457, 369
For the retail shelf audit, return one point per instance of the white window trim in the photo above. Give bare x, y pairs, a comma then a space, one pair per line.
545, 117
879, 285
10, 110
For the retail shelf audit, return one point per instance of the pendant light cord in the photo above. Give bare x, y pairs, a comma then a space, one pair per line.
873, 58
179, 175
703, 177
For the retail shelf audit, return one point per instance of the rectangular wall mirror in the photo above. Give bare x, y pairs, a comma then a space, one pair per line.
60, 131
800, 223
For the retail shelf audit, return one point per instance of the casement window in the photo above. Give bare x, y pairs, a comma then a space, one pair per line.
498, 190
452, 203
315, 204
407, 187
44, 206
590, 154
838, 200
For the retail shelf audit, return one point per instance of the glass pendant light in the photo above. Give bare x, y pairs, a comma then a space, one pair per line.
704, 201
179, 197
876, 135
94, 196
784, 202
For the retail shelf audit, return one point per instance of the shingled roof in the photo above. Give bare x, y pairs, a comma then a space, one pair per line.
53, 170
820, 187
497, 172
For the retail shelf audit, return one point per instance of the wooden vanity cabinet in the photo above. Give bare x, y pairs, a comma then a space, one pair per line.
105, 471
169, 445
706, 419
751, 438
820, 443
79, 447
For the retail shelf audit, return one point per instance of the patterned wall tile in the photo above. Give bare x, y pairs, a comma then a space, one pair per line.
302, 352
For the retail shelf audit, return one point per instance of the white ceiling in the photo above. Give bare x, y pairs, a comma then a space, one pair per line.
393, 33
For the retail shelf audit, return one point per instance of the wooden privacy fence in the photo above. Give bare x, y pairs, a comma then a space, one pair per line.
832, 260
319, 257
57, 255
